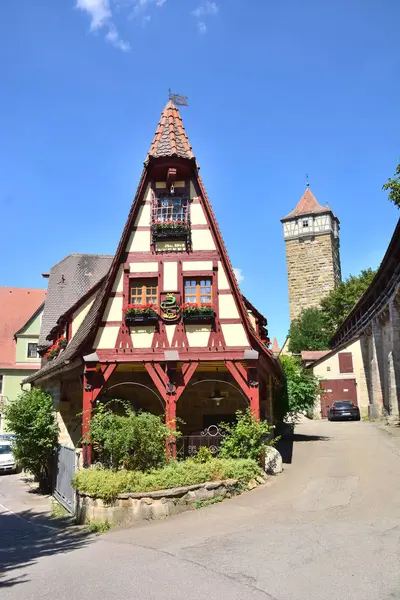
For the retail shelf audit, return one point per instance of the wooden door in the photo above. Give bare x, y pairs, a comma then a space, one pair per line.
337, 389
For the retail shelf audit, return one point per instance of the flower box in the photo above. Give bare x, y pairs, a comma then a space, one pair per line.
198, 313
141, 319
170, 229
140, 314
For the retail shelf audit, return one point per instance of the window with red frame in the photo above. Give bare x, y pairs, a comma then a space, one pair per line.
198, 291
143, 291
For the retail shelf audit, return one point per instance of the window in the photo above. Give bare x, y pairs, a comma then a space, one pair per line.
305, 223
143, 291
32, 351
171, 208
1, 385
345, 362
198, 291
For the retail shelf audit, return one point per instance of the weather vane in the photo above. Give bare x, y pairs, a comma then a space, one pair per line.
177, 99
307, 182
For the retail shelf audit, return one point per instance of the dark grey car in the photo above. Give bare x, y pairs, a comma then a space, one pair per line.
343, 409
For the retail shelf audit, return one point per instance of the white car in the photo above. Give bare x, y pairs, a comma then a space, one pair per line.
7, 460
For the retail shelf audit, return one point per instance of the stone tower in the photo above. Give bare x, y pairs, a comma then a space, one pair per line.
311, 234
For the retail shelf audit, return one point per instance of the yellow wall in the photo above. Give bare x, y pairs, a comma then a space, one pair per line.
171, 276
113, 311
106, 338
329, 369
198, 335
142, 336
80, 314
202, 240
235, 335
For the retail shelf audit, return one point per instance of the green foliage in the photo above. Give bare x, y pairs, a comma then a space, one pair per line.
107, 484
337, 305
58, 511
99, 526
393, 187
31, 417
202, 503
309, 332
300, 389
133, 440
203, 455
246, 438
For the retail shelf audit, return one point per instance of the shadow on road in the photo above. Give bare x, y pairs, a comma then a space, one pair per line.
286, 443
24, 538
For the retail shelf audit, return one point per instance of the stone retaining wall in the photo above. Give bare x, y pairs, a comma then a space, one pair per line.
127, 509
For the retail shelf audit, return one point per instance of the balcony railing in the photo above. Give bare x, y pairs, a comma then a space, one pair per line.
171, 220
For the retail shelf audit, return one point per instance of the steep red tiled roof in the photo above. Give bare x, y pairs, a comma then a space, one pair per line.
170, 138
17, 307
275, 347
308, 205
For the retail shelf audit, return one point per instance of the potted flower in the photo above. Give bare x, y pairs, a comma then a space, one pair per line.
198, 313
52, 352
140, 313
62, 342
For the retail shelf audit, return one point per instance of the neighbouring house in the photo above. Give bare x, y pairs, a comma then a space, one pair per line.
341, 376
20, 318
163, 323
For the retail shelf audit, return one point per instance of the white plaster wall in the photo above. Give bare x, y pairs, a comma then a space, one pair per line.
139, 241
113, 310
197, 335
197, 215
202, 240
227, 307
222, 278
142, 337
171, 276
106, 338
80, 314
118, 285
143, 216
235, 335
170, 331
201, 265
144, 267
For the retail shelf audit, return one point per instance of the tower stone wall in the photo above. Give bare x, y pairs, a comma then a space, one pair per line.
313, 267
311, 234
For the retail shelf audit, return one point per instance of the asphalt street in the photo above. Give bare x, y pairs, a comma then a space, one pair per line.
327, 528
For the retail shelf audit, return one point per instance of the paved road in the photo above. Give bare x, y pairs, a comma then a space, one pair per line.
328, 528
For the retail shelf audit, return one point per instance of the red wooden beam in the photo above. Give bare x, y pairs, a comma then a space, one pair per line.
238, 378
187, 374
157, 382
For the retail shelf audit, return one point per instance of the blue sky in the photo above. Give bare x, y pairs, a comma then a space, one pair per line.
276, 90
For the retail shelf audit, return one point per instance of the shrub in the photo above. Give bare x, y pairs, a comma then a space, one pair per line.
31, 417
203, 455
246, 438
107, 484
300, 388
134, 440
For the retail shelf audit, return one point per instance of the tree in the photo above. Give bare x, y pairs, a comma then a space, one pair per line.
300, 389
308, 332
337, 305
31, 417
393, 186
246, 438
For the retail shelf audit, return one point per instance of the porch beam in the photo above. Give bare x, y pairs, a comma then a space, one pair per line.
187, 373
238, 377
160, 385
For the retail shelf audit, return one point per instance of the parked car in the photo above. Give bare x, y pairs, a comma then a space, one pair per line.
343, 409
7, 460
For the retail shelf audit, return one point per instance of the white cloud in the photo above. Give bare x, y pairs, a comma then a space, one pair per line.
100, 14
238, 274
204, 10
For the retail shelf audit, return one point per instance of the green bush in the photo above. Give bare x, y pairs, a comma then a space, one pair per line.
133, 440
31, 417
300, 389
246, 438
107, 484
203, 455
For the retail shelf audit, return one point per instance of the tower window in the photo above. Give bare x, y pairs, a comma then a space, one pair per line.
32, 351
305, 223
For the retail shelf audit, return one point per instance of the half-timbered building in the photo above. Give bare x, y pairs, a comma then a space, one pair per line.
166, 327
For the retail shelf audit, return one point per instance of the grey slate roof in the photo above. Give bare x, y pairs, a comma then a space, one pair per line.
69, 280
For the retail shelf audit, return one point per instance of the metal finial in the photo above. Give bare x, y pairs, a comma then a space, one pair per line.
307, 182
177, 99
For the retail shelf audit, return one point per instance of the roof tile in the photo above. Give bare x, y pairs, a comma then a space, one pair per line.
308, 205
170, 138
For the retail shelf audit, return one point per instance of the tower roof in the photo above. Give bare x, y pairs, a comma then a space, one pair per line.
170, 138
308, 205
275, 347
